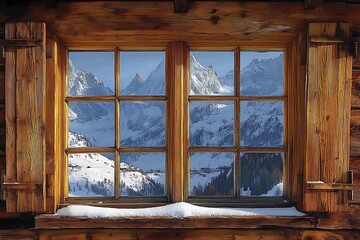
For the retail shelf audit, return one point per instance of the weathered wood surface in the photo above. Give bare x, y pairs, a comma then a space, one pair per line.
297, 117
25, 117
143, 234
205, 21
336, 221
355, 127
328, 116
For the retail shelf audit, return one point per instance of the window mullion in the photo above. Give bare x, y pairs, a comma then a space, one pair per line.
117, 125
237, 124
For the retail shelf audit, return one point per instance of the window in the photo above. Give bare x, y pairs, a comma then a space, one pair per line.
116, 124
118, 121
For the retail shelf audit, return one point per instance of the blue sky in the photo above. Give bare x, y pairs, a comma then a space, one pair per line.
102, 63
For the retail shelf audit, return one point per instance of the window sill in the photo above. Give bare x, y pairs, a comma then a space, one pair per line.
179, 215
218, 222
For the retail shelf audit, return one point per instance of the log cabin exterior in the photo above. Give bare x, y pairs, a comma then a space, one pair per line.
322, 68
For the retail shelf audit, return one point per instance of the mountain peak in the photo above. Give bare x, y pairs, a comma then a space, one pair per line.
138, 79
134, 85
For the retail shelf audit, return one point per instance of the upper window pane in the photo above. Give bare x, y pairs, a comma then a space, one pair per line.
91, 74
142, 73
211, 73
261, 73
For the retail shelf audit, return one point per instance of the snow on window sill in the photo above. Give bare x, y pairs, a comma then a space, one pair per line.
175, 210
177, 215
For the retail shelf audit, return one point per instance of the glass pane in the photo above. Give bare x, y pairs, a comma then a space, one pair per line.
261, 73
211, 73
142, 174
142, 73
261, 174
211, 123
91, 175
91, 124
261, 124
211, 174
142, 124
91, 74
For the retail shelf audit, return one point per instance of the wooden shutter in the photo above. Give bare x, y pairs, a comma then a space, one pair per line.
329, 63
25, 56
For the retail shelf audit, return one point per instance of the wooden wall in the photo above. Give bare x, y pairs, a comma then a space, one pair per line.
2, 109
355, 127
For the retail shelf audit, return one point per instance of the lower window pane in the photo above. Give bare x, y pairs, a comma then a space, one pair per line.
261, 174
142, 174
211, 174
91, 175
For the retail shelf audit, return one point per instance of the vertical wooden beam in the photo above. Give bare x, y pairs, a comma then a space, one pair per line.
328, 115
296, 117
181, 6
176, 91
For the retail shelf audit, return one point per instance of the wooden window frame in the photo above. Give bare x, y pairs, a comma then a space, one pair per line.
177, 172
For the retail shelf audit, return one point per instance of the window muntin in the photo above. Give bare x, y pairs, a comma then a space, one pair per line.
258, 118
227, 148
117, 129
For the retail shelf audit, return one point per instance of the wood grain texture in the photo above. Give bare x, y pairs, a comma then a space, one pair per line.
355, 166
178, 234
25, 117
328, 116
206, 20
297, 117
175, 58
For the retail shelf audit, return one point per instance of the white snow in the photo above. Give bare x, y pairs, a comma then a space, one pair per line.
176, 210
315, 182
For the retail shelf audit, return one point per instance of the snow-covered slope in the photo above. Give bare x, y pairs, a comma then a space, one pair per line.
92, 174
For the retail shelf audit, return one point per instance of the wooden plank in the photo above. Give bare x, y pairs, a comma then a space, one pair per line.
328, 117
181, 6
21, 186
246, 222
26, 139
199, 234
10, 114
329, 186
355, 133
355, 93
2, 85
355, 166
60, 122
2, 131
21, 43
356, 60
251, 21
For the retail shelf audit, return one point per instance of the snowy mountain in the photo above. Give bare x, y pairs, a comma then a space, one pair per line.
83, 83
263, 77
142, 124
92, 174
154, 84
